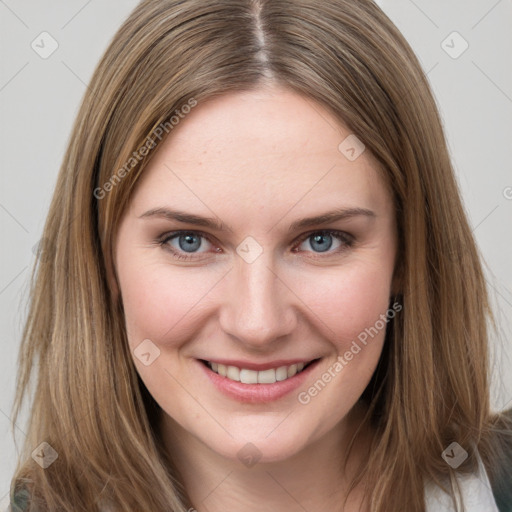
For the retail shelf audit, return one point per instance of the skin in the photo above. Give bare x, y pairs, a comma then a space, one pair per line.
258, 161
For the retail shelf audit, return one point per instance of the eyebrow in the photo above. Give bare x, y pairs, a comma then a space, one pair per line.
218, 225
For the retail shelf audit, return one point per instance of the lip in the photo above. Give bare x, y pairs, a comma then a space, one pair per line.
257, 393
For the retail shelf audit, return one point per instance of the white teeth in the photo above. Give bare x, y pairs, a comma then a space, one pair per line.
267, 377
292, 370
248, 376
233, 373
282, 373
254, 377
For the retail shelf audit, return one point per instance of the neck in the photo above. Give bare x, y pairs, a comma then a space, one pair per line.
316, 478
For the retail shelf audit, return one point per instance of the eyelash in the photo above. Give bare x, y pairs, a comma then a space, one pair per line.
346, 239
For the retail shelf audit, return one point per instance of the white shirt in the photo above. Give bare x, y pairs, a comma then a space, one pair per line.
475, 489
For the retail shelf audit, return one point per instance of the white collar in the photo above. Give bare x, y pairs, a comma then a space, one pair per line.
475, 489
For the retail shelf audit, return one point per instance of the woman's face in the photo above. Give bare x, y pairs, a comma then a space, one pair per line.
245, 278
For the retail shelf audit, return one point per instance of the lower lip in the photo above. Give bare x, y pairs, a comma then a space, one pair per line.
257, 393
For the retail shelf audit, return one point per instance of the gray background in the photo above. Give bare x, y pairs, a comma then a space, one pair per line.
39, 98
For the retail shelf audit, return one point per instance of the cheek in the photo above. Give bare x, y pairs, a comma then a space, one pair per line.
354, 309
347, 302
159, 299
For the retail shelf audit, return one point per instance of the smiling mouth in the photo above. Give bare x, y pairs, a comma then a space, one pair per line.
246, 376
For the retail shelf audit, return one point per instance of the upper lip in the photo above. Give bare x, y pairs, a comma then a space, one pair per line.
259, 366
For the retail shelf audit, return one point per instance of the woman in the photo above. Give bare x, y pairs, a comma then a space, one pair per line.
257, 283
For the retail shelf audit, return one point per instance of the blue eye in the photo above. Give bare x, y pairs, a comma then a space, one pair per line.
189, 243
322, 241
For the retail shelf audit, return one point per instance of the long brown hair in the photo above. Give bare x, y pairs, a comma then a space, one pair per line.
431, 386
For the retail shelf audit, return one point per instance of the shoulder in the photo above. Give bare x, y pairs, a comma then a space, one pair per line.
20, 501
489, 488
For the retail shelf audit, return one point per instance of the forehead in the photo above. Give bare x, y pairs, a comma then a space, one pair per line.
269, 148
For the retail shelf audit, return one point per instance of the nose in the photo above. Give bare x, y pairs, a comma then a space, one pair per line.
258, 309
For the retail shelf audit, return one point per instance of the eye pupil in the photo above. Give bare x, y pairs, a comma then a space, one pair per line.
193, 242
317, 239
